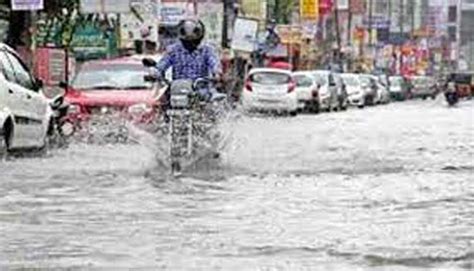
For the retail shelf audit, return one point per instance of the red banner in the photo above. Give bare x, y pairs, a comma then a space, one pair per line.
325, 7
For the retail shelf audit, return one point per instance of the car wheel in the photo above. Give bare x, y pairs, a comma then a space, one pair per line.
361, 106
293, 113
433, 97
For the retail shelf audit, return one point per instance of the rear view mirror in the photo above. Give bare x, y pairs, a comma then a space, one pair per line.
150, 78
149, 62
63, 84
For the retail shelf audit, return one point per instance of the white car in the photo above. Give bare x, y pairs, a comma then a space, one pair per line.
328, 90
306, 91
269, 89
25, 113
355, 93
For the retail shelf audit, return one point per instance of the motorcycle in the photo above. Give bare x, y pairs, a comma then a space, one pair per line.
451, 94
60, 129
191, 112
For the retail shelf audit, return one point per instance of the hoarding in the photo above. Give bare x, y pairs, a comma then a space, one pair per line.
27, 4
211, 14
173, 12
254, 8
309, 9
105, 6
245, 34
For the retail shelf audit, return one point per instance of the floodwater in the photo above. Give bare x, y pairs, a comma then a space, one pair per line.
384, 188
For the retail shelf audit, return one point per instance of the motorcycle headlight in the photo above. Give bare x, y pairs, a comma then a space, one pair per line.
74, 109
139, 109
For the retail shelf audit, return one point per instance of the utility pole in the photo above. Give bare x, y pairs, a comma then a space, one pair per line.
228, 6
338, 33
371, 6
401, 10
349, 22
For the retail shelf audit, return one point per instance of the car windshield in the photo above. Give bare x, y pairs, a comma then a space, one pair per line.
350, 81
270, 78
111, 76
303, 81
322, 79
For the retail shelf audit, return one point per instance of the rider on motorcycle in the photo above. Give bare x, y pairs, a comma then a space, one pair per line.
189, 59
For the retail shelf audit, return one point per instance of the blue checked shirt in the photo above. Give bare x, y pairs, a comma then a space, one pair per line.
203, 62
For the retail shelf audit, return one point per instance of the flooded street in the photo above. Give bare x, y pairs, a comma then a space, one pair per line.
384, 187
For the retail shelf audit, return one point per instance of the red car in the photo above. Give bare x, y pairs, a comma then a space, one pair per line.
114, 88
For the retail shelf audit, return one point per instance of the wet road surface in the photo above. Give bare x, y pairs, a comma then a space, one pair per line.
385, 188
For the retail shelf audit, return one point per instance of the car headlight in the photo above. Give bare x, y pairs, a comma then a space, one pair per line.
139, 109
74, 109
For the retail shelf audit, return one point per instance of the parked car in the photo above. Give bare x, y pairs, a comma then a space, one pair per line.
423, 87
26, 117
268, 89
398, 88
328, 90
356, 95
112, 88
306, 91
342, 96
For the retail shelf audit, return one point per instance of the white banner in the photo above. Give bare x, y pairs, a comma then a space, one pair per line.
27, 4
105, 6
245, 34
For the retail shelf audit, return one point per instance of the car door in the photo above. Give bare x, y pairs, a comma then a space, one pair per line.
15, 101
35, 104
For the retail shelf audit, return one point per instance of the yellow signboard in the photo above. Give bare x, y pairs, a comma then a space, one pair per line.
309, 9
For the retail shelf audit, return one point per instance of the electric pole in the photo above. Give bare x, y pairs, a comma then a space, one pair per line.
370, 20
401, 10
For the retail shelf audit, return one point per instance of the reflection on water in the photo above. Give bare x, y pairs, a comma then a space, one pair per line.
361, 189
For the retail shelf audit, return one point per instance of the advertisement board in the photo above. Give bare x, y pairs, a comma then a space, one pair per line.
142, 24
105, 6
173, 12
290, 34
27, 4
245, 34
211, 14
254, 8
309, 9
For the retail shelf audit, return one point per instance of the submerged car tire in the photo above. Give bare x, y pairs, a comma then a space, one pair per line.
293, 113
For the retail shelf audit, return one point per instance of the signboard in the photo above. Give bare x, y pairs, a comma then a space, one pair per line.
89, 42
105, 6
245, 34
211, 15
343, 4
309, 9
173, 13
142, 24
254, 8
376, 22
357, 6
50, 65
290, 34
27, 4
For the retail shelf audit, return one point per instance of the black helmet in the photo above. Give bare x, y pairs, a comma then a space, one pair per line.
191, 33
